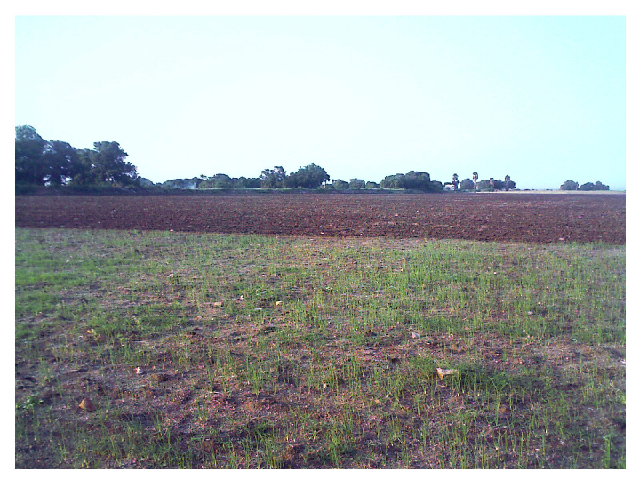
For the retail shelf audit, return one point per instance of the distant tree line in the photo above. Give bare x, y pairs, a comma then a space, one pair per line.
313, 176
56, 163
572, 185
481, 185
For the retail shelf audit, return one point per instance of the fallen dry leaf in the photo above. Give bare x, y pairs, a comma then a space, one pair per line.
442, 372
87, 405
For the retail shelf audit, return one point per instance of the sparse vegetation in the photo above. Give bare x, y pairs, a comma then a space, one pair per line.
245, 351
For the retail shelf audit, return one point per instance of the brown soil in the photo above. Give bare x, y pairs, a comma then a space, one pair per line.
534, 218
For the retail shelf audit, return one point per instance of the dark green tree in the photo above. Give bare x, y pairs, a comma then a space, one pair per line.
62, 162
435, 186
393, 181
272, 178
356, 184
219, 180
417, 180
467, 184
508, 183
491, 184
105, 165
145, 182
414, 180
30, 167
340, 184
569, 185
109, 164
311, 176
184, 183
85, 175
591, 186
243, 182
498, 184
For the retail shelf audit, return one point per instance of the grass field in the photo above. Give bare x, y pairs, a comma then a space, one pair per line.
162, 349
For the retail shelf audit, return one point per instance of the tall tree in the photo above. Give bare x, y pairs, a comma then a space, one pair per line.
393, 181
339, 184
508, 183
30, 166
467, 184
273, 178
85, 174
108, 161
475, 180
62, 162
356, 184
454, 181
569, 185
311, 176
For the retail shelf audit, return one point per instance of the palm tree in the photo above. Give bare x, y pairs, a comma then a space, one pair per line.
507, 179
475, 180
454, 181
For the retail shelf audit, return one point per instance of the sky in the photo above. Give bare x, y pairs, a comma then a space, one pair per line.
539, 98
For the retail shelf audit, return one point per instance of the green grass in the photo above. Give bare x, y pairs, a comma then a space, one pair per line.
229, 351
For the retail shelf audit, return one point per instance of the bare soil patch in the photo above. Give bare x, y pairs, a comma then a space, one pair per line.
536, 218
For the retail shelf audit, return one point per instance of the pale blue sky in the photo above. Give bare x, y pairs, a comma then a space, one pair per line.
541, 99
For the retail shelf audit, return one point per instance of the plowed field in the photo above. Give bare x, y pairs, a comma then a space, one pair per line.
485, 217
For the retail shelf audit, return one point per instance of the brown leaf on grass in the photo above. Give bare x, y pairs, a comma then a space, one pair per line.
442, 372
292, 451
87, 405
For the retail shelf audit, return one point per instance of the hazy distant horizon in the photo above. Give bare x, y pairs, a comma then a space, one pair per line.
542, 99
